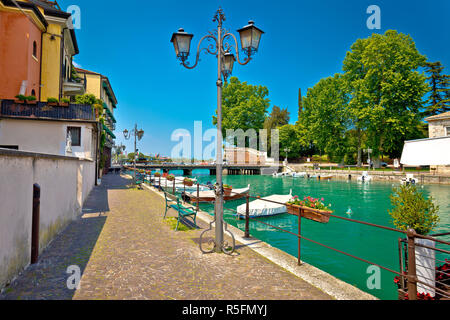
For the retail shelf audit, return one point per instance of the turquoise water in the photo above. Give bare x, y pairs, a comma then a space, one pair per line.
369, 202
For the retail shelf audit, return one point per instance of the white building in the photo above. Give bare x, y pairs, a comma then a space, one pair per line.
433, 152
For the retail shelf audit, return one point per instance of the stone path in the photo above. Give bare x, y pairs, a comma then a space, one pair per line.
125, 250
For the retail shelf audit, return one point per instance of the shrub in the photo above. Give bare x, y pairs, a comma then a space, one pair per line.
30, 98
21, 97
52, 100
412, 210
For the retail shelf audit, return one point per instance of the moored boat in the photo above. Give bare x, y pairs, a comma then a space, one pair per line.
275, 205
210, 195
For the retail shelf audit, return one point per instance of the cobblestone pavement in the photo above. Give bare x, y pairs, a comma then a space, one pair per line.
125, 250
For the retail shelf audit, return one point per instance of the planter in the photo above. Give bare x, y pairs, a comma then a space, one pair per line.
426, 266
32, 102
62, 104
19, 101
227, 191
308, 213
293, 209
188, 183
52, 104
169, 178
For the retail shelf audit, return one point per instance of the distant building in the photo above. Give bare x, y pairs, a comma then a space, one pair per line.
99, 85
434, 151
235, 155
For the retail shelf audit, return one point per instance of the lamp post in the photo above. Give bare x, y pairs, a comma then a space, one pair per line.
250, 37
138, 134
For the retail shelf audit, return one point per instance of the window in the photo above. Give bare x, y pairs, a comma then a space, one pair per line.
33, 93
34, 49
448, 131
76, 135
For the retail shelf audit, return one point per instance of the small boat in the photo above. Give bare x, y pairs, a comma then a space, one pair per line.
278, 174
261, 208
409, 180
324, 177
365, 177
210, 195
298, 174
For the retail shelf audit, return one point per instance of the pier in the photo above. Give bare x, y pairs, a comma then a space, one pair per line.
231, 169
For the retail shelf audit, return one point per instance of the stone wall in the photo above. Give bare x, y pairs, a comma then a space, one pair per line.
65, 184
423, 177
438, 128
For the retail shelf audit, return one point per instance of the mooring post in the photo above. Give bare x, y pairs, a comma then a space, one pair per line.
247, 218
198, 196
299, 236
412, 276
35, 224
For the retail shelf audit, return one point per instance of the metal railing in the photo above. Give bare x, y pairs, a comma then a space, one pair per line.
407, 278
43, 110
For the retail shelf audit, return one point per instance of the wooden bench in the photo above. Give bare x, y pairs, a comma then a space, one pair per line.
174, 202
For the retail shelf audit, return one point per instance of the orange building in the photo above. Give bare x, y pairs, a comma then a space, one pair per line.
20, 49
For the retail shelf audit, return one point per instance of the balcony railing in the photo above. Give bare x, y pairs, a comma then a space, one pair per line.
42, 110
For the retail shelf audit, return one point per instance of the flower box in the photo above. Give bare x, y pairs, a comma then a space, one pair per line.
188, 183
321, 216
170, 178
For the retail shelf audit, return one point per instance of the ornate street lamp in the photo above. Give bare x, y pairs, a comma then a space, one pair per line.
138, 135
220, 47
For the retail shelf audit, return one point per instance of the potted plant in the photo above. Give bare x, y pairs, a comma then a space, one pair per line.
52, 102
170, 177
157, 174
310, 208
64, 102
188, 182
20, 98
227, 189
31, 100
412, 211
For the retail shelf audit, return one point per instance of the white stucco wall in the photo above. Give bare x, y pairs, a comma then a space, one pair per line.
46, 137
65, 185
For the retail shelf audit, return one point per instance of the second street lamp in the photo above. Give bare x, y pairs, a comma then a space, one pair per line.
219, 47
138, 135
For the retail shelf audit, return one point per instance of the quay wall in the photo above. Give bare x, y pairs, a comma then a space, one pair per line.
423, 177
65, 183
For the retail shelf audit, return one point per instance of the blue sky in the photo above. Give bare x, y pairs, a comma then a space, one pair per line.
304, 42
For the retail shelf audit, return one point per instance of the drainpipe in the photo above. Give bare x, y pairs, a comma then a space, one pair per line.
40, 66
61, 71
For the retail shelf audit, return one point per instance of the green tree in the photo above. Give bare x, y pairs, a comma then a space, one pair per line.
277, 118
325, 115
293, 138
385, 88
412, 210
244, 106
439, 89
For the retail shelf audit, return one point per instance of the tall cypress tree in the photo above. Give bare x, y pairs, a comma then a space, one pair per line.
300, 102
438, 101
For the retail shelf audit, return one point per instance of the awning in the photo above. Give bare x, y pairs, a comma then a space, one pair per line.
427, 152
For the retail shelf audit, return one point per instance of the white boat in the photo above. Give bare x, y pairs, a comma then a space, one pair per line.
210, 195
298, 174
261, 208
409, 180
365, 177
278, 174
